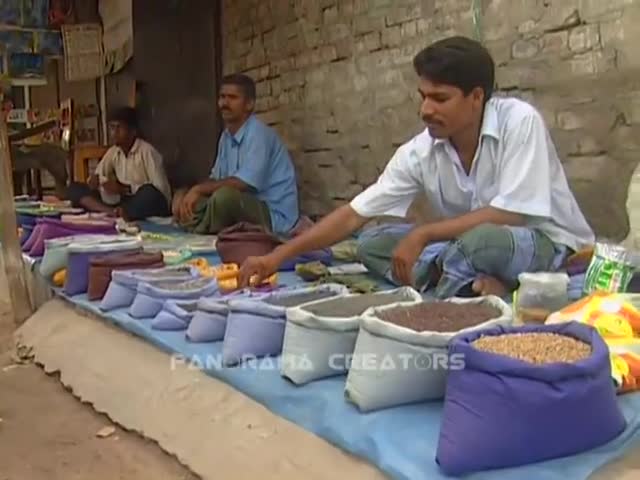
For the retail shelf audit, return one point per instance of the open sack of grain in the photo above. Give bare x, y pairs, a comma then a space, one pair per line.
320, 336
401, 354
255, 327
526, 394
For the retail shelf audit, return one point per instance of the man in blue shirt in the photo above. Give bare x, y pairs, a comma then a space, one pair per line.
253, 179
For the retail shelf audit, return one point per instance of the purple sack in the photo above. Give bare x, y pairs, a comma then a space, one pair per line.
175, 315
27, 230
80, 255
151, 296
502, 412
254, 329
209, 322
48, 228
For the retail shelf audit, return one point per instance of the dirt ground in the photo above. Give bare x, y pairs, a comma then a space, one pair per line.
47, 434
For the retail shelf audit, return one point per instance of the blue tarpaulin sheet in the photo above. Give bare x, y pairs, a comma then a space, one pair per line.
400, 441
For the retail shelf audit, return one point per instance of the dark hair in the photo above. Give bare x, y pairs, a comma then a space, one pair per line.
126, 115
246, 84
457, 61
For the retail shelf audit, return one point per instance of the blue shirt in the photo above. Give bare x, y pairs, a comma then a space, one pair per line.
257, 156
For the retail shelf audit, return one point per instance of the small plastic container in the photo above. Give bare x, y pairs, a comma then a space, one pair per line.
539, 295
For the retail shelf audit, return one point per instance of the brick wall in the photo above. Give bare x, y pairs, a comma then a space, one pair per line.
335, 79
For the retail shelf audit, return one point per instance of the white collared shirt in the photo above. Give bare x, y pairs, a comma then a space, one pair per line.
142, 165
516, 168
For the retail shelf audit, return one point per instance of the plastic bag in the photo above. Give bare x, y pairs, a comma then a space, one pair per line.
539, 295
610, 270
617, 318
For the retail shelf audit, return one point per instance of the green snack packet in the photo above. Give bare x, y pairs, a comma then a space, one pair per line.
610, 270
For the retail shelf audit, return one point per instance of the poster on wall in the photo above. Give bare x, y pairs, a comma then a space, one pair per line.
35, 13
117, 35
26, 65
25, 13
16, 41
83, 58
11, 12
49, 42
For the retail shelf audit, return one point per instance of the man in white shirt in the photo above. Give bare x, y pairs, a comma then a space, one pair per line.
489, 169
130, 180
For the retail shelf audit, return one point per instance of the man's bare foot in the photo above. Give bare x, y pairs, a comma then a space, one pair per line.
486, 285
118, 212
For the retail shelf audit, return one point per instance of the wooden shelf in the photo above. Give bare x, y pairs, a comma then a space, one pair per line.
28, 82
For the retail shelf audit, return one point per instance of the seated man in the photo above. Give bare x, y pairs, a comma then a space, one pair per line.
130, 180
253, 179
489, 169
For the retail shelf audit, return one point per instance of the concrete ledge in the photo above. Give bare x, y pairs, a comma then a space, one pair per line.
211, 428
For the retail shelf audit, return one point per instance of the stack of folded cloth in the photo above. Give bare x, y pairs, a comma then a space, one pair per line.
123, 288
48, 228
101, 268
81, 254
85, 217
26, 219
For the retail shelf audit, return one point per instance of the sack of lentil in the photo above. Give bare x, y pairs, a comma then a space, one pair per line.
401, 354
320, 336
255, 327
526, 394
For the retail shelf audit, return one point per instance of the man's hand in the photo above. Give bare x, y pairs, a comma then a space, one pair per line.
405, 256
176, 203
112, 187
188, 203
262, 267
93, 182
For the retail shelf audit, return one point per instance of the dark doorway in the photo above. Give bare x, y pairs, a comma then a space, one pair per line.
177, 67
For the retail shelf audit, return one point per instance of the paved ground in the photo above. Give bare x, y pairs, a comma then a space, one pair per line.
47, 434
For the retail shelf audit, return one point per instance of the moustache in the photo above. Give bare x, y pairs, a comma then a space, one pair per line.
431, 121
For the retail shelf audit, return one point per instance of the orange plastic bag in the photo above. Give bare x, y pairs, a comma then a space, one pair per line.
617, 318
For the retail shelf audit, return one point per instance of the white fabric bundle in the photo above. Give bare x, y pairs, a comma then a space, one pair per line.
394, 365
318, 346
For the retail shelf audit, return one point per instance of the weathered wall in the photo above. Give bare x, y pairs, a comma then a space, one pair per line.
335, 79
175, 67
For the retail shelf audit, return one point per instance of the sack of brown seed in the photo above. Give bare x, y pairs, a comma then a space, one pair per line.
401, 353
319, 336
526, 394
